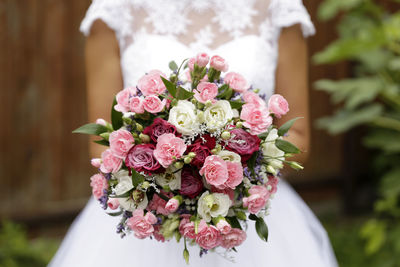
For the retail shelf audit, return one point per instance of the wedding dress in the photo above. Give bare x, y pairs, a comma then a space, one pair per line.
245, 33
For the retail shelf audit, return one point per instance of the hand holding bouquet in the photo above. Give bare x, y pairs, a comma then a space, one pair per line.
191, 155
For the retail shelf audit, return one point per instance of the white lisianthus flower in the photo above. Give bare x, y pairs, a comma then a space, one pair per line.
217, 115
229, 156
269, 149
183, 117
213, 205
170, 178
124, 185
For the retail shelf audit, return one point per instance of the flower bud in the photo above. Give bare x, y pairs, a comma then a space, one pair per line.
186, 255
241, 215
96, 162
208, 103
105, 135
295, 165
239, 124
192, 154
101, 122
127, 120
226, 135
271, 169
139, 127
138, 196
145, 185
144, 137
187, 160
256, 91
178, 164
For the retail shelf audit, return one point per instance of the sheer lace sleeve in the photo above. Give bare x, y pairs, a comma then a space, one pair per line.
285, 13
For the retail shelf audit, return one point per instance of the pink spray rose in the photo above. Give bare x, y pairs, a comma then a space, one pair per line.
158, 128
158, 204
257, 119
257, 199
96, 162
215, 170
208, 237
235, 174
172, 205
136, 105
219, 63
121, 141
278, 105
236, 81
153, 104
101, 122
252, 98
186, 227
243, 143
191, 183
140, 224
224, 227
191, 62
113, 203
233, 239
206, 91
98, 184
168, 149
151, 83
109, 162
123, 99
202, 59
141, 158
272, 184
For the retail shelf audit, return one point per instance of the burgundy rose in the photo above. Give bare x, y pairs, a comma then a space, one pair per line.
191, 183
141, 158
243, 143
202, 147
158, 128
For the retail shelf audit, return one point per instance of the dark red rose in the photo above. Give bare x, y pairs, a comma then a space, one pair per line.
243, 143
202, 147
141, 158
159, 127
191, 183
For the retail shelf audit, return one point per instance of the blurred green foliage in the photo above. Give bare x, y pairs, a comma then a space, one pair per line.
369, 37
17, 251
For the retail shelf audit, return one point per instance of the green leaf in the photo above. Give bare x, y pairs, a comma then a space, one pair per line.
102, 142
390, 185
329, 8
286, 126
225, 92
115, 213
286, 146
233, 221
262, 229
172, 65
91, 128
223, 88
124, 195
179, 93
137, 178
116, 117
386, 140
236, 104
253, 217
252, 162
374, 232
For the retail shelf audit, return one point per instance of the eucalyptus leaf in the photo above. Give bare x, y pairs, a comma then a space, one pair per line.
286, 146
286, 126
91, 128
116, 117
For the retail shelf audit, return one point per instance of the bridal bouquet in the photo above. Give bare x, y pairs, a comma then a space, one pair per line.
191, 155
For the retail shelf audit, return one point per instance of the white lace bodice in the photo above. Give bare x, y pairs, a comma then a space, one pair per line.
245, 32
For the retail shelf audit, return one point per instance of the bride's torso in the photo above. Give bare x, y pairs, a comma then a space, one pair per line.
244, 32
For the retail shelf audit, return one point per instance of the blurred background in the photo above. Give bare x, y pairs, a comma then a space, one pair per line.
352, 180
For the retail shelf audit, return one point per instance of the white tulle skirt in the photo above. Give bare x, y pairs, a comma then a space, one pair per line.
296, 239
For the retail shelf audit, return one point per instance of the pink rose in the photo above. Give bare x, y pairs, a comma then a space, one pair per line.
98, 184
236, 81
272, 184
158, 128
141, 225
191, 183
278, 105
153, 104
191, 62
168, 149
186, 228
123, 98
243, 143
158, 204
206, 91
252, 98
235, 174
257, 119
215, 170
208, 237
96, 162
202, 147
151, 83
172, 205
113, 203
101, 122
136, 105
121, 141
224, 227
141, 158
233, 239
219, 63
202, 59
257, 199
109, 162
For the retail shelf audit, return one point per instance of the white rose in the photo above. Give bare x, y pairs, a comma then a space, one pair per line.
183, 117
213, 205
170, 178
229, 156
218, 115
269, 149
124, 185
